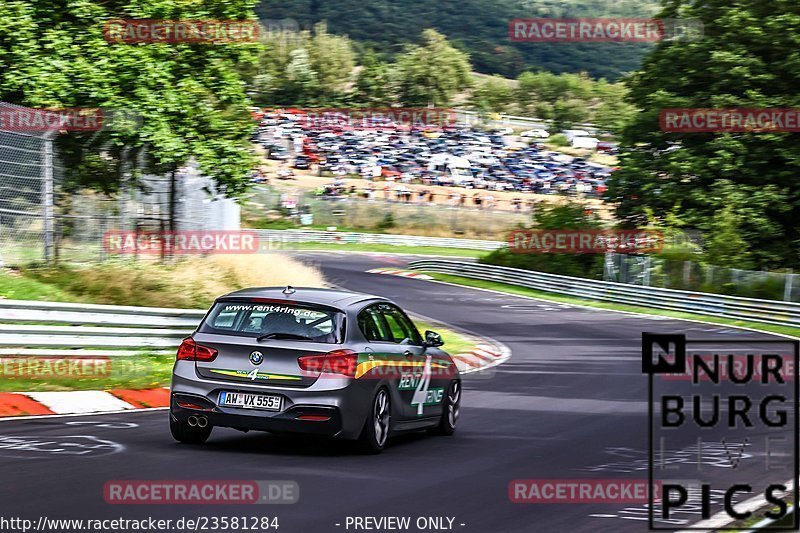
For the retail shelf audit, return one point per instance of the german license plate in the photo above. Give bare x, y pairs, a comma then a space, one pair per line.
267, 402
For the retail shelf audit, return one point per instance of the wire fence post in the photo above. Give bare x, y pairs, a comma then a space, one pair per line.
787, 286
47, 200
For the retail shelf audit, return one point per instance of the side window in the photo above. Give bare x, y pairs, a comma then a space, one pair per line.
399, 326
225, 319
371, 326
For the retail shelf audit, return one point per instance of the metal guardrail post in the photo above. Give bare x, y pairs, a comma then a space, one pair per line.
787, 287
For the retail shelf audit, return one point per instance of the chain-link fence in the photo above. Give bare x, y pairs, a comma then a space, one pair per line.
386, 215
41, 221
693, 276
28, 175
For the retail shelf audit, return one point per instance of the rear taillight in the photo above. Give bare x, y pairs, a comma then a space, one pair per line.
342, 362
191, 351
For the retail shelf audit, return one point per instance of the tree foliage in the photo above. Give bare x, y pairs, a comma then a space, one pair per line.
477, 27
306, 68
431, 73
568, 99
568, 216
190, 98
748, 181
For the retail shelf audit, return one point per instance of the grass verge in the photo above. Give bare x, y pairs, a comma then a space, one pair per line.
454, 342
524, 291
419, 250
39, 374
16, 286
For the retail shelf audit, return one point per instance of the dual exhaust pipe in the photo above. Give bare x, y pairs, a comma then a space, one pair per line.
198, 421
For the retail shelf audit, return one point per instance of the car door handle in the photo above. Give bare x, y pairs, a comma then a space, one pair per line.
408, 353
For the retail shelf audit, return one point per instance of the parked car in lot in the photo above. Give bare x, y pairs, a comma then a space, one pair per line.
285, 174
302, 162
607, 147
535, 133
314, 361
278, 153
454, 156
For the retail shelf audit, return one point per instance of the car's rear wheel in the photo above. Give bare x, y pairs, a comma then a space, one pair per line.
378, 425
189, 434
451, 410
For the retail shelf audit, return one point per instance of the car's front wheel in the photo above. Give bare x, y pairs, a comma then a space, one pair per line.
451, 410
189, 434
378, 425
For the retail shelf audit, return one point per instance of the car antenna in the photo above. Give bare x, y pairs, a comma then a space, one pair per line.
289, 290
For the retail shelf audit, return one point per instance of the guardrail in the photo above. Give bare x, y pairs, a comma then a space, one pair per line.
278, 238
33, 328
764, 311
51, 329
531, 122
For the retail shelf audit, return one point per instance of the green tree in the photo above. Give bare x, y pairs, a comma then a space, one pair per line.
431, 73
612, 111
725, 246
332, 59
374, 82
190, 98
302, 79
492, 94
747, 58
302, 68
566, 113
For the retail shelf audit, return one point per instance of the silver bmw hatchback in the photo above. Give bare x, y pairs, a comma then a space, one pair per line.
313, 361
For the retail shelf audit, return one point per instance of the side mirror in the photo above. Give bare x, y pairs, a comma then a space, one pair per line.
433, 339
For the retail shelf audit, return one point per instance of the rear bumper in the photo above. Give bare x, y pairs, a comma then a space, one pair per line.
326, 421
345, 405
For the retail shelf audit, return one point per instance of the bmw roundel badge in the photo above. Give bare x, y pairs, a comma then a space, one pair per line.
256, 358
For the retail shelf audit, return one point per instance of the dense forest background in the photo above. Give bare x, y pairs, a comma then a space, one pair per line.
478, 27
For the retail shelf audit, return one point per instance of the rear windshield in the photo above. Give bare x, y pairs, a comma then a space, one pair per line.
277, 321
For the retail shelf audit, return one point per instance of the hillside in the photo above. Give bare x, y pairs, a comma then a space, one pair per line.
479, 27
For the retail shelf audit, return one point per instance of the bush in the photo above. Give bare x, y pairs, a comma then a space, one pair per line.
578, 265
568, 216
558, 140
387, 222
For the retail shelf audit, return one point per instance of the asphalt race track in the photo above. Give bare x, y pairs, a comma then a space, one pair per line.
571, 403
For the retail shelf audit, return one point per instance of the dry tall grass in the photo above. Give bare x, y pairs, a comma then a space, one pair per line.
193, 282
219, 274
